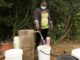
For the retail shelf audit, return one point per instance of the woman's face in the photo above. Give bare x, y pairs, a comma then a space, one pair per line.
44, 5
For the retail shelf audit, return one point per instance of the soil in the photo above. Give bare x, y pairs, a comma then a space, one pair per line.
60, 48
63, 47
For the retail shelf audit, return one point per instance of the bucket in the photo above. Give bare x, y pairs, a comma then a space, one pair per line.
66, 57
14, 54
6, 46
16, 42
76, 53
48, 40
44, 52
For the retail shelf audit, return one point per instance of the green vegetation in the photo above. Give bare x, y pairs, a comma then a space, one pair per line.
18, 14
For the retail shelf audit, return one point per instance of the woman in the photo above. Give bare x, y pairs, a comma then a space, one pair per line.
42, 21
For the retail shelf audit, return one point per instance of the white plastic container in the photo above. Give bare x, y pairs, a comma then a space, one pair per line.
76, 53
44, 52
14, 54
48, 41
16, 42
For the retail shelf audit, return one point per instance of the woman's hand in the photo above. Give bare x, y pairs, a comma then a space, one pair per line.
36, 25
51, 25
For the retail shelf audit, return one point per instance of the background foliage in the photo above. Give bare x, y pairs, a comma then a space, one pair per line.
18, 14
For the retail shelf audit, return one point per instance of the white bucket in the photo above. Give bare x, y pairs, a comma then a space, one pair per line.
76, 53
14, 54
44, 52
48, 40
16, 42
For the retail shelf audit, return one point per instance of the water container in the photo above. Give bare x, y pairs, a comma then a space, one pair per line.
6, 46
66, 57
44, 52
14, 54
48, 41
16, 42
76, 53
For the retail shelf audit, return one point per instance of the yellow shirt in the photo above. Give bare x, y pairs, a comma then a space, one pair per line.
44, 20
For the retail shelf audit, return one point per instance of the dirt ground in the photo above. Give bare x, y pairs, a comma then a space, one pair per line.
63, 47
60, 48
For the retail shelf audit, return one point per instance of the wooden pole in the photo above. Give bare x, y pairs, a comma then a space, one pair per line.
27, 44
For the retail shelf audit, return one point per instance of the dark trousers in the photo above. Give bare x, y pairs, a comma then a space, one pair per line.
44, 33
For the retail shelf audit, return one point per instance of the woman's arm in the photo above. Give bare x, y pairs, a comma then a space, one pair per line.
36, 21
50, 21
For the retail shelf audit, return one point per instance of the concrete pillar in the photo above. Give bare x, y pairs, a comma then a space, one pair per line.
27, 43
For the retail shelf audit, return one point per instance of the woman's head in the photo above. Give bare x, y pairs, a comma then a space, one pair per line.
43, 4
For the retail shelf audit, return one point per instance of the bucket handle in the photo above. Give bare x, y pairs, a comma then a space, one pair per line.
44, 52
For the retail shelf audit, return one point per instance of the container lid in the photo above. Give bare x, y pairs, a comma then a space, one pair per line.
66, 57
13, 53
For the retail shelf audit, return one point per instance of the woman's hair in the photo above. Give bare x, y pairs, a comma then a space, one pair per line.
39, 2
43, 1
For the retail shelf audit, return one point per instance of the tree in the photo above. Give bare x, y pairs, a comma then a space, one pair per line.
18, 14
